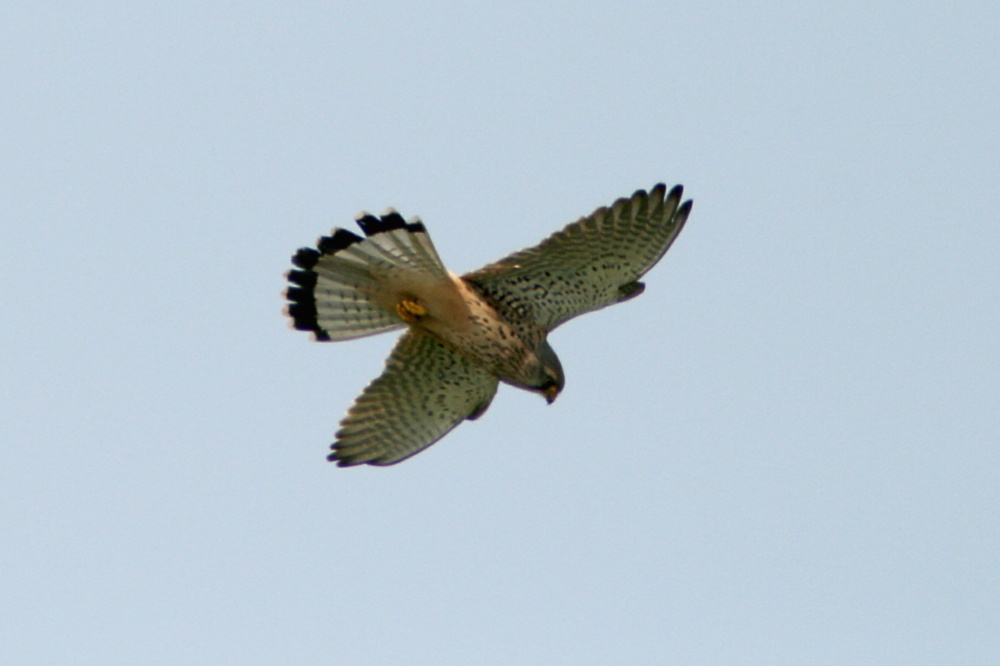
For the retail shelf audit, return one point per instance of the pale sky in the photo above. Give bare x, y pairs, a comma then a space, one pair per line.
787, 451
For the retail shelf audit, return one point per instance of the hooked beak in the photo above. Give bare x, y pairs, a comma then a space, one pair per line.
551, 391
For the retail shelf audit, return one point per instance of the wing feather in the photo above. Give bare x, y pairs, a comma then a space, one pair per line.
591, 263
426, 390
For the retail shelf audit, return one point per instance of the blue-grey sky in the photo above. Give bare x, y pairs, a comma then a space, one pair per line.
785, 452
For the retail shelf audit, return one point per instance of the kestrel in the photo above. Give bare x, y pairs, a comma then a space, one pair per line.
465, 334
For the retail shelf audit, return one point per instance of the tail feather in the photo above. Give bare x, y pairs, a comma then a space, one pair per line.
398, 241
339, 290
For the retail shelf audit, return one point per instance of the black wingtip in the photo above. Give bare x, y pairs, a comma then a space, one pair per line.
676, 192
343, 460
336, 455
685, 209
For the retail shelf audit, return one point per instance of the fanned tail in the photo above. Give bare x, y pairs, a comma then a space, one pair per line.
346, 287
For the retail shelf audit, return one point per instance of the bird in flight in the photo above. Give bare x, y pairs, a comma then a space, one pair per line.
465, 334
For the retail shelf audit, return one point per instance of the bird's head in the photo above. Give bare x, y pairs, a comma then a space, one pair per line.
552, 379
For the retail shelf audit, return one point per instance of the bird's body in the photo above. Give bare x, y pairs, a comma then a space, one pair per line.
455, 313
465, 334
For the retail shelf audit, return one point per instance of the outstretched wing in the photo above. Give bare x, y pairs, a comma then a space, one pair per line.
592, 263
426, 390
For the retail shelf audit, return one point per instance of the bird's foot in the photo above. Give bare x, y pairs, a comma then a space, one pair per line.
410, 310
630, 290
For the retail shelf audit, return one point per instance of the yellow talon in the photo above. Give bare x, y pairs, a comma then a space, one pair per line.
410, 310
